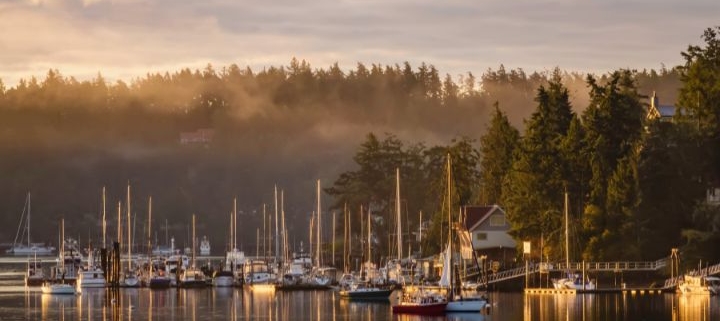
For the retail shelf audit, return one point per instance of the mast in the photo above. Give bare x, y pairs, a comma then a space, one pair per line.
369, 239
345, 239
284, 230
28, 219
264, 236
234, 224
129, 238
449, 202
567, 234
277, 238
319, 222
104, 223
150, 234
193, 240
397, 210
333, 238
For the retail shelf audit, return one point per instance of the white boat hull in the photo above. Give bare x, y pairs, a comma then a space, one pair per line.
58, 289
472, 305
223, 281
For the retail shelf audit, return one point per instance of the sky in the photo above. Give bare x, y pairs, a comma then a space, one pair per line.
126, 39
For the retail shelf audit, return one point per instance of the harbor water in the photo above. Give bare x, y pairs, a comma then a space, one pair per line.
20, 303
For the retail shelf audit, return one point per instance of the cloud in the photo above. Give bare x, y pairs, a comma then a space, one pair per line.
128, 38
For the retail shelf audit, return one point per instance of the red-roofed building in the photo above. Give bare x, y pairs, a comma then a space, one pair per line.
488, 229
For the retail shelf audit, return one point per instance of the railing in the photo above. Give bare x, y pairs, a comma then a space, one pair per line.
491, 277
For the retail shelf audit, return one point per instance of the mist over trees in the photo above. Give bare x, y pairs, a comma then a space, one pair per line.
64, 139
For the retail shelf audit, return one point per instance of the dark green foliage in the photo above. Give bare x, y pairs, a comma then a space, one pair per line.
496, 147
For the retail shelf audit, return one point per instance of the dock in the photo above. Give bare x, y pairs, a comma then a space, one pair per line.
631, 291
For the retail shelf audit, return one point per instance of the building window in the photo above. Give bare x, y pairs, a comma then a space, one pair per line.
497, 220
481, 236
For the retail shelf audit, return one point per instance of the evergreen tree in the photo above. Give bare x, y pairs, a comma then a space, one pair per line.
496, 147
533, 192
613, 123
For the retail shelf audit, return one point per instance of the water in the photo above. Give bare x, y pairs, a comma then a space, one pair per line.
20, 303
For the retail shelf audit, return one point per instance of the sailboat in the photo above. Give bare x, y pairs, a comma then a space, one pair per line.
192, 277
156, 276
129, 278
29, 248
364, 289
571, 281
457, 300
419, 300
59, 286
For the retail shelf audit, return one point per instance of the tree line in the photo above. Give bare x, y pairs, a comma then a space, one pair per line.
637, 186
63, 139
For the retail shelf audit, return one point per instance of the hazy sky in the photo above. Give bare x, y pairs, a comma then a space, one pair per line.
123, 39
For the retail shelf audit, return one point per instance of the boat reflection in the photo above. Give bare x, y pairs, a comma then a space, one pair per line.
691, 307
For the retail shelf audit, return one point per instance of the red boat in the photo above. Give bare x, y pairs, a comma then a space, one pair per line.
423, 303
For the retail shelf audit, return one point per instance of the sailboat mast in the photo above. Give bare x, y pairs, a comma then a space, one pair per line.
397, 210
129, 237
193, 240
333, 238
277, 238
28, 220
369, 236
319, 222
567, 234
284, 230
234, 224
150, 223
104, 222
450, 241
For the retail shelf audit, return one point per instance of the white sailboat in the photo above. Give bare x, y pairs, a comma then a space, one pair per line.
571, 281
29, 248
59, 286
457, 300
192, 277
129, 277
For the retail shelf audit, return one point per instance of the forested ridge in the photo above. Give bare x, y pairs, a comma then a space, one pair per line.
64, 139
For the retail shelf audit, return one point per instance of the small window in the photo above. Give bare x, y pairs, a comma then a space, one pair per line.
481, 236
497, 220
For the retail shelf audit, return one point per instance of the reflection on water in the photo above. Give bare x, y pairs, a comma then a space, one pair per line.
238, 304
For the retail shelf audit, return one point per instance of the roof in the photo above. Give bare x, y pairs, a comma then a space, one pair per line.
476, 215
666, 110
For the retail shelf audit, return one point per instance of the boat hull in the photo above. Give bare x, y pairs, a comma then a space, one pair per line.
59, 289
466, 305
159, 283
366, 295
30, 281
424, 309
223, 281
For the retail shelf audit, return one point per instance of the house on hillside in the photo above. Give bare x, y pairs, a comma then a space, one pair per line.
488, 228
656, 111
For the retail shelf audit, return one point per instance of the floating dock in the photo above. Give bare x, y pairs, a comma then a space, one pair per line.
632, 291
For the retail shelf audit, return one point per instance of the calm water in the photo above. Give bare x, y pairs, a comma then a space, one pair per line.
19, 303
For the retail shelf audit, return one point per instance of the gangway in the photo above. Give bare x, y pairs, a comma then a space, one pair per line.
573, 266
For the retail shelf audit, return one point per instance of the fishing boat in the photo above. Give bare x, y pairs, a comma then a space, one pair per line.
92, 276
28, 248
34, 275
